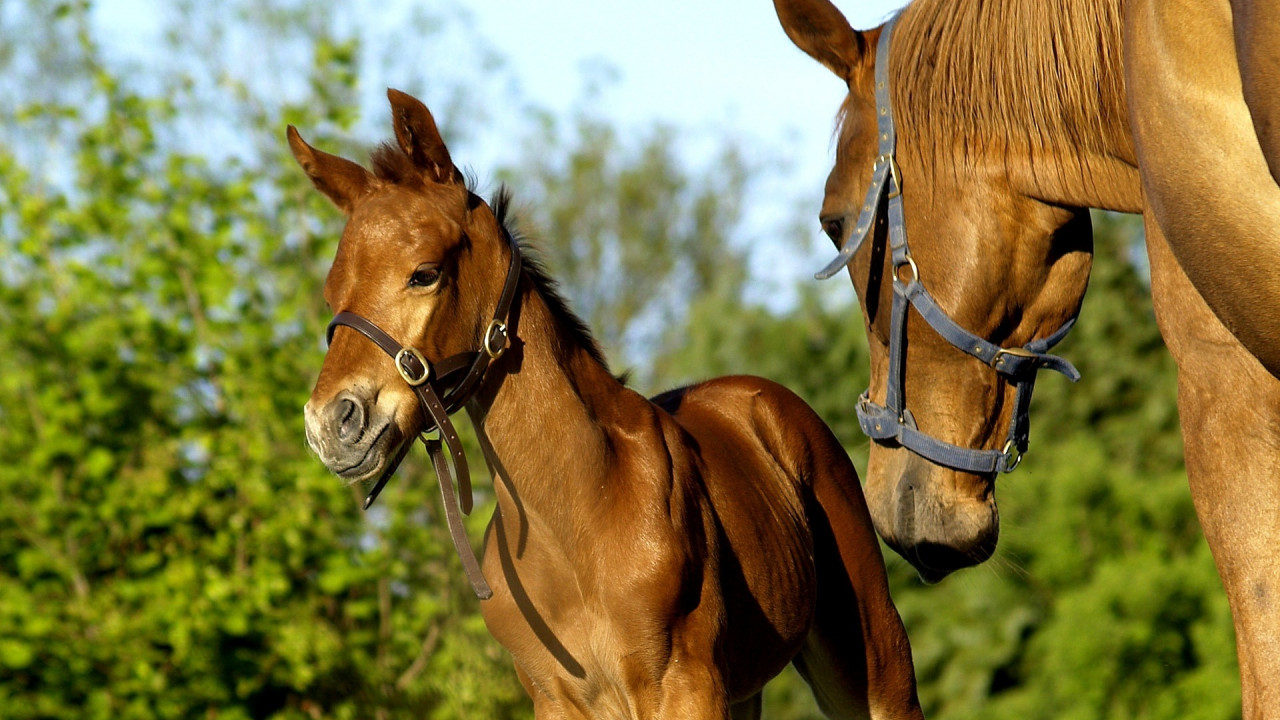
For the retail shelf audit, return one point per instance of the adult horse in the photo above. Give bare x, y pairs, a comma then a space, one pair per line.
647, 559
986, 130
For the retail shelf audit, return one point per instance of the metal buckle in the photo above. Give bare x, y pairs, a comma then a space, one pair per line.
908, 261
501, 329
426, 369
1016, 352
893, 171
1012, 456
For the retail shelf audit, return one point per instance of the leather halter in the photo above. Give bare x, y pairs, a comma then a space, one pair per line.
437, 406
893, 422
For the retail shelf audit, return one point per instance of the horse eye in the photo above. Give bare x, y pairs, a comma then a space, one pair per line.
425, 276
834, 228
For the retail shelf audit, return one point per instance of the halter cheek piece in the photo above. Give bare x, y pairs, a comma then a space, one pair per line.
437, 406
893, 422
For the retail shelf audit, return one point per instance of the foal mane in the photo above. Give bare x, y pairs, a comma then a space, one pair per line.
1043, 75
573, 326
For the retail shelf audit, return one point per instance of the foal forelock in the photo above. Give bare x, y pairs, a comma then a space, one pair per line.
975, 76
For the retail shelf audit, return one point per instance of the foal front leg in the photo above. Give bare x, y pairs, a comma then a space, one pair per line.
692, 690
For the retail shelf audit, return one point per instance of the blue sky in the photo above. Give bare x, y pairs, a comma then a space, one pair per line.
708, 67
698, 64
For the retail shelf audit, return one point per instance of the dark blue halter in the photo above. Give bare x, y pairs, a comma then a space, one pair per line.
893, 422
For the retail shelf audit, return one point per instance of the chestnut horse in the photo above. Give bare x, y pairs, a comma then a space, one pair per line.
993, 127
647, 559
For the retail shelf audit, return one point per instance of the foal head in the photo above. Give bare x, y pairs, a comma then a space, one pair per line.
999, 246
421, 257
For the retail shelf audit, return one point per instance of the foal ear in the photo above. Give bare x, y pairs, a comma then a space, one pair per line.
822, 31
341, 180
418, 137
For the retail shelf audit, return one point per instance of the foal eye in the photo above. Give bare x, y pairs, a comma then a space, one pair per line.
834, 228
424, 276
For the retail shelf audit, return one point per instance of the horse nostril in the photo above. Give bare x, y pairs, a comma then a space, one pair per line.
348, 416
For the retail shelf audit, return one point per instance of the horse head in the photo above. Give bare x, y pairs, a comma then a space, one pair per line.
1004, 255
410, 269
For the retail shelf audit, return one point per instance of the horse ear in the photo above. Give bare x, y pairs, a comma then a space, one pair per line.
418, 137
341, 180
822, 31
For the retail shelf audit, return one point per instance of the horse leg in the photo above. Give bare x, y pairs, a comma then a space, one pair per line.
693, 690
748, 709
1229, 406
544, 708
858, 667
1256, 24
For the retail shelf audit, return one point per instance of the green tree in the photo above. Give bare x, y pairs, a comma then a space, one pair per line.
168, 547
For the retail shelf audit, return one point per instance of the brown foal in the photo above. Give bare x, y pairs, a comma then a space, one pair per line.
648, 559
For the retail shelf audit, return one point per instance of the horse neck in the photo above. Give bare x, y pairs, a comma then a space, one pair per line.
545, 412
1033, 89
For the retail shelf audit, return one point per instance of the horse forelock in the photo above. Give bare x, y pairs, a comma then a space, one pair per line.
972, 77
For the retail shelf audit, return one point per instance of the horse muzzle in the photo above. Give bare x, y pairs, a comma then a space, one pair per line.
352, 438
939, 520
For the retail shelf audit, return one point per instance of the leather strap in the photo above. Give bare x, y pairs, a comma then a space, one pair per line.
893, 422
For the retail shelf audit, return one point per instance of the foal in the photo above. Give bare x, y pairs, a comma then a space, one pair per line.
648, 559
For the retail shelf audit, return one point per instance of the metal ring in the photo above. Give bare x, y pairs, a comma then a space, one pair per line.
501, 329
893, 171
426, 369
915, 271
1011, 451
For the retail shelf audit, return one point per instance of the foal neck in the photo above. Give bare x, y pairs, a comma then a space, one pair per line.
546, 410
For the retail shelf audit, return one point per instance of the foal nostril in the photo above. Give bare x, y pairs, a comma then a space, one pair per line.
347, 417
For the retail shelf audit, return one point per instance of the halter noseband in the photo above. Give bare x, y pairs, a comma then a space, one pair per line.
437, 406
893, 421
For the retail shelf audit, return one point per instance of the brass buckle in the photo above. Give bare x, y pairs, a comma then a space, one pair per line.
1015, 351
426, 369
501, 328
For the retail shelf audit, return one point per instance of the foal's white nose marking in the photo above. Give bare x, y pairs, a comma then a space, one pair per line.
315, 439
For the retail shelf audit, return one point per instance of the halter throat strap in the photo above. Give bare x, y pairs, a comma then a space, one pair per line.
893, 422
426, 381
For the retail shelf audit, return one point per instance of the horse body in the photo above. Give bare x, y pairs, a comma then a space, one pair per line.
1208, 179
1015, 118
647, 559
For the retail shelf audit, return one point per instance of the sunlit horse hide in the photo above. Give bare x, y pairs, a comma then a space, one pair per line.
647, 559
1012, 119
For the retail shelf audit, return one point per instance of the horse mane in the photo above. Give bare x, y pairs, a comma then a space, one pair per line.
1041, 75
574, 327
